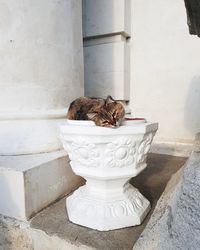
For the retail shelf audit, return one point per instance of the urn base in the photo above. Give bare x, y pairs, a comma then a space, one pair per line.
104, 213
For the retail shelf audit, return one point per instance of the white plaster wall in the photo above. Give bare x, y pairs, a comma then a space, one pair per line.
41, 54
107, 70
106, 25
106, 17
41, 72
165, 69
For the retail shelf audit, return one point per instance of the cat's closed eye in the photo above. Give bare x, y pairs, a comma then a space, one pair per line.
105, 123
114, 114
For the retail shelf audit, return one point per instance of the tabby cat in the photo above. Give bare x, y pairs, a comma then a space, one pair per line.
104, 112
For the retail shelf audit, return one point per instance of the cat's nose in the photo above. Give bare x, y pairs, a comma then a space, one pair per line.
117, 124
114, 126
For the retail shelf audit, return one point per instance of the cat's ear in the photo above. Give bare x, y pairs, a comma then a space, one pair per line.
91, 115
109, 99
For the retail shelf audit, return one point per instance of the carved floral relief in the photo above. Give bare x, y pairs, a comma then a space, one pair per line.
120, 153
144, 147
85, 153
107, 201
133, 203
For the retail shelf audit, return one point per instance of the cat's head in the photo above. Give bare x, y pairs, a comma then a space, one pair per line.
102, 118
116, 109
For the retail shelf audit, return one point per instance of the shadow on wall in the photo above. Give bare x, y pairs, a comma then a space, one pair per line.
192, 107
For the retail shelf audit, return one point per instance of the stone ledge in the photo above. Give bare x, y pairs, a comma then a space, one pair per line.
172, 148
175, 223
149, 239
28, 183
18, 235
197, 143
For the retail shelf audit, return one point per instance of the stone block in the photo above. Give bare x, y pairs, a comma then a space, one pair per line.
107, 70
106, 17
30, 134
175, 221
28, 183
197, 143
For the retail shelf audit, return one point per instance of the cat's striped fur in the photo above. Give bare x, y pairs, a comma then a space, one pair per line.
104, 112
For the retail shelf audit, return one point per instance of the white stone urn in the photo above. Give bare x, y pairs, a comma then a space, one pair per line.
107, 158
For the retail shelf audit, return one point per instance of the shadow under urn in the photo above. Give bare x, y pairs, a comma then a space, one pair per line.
107, 158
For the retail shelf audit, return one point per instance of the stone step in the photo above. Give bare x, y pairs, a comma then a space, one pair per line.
51, 229
28, 183
175, 222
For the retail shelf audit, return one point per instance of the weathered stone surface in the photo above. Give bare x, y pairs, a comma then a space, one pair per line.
13, 236
197, 143
175, 224
18, 235
149, 239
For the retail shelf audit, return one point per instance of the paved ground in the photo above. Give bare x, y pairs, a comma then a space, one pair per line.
151, 183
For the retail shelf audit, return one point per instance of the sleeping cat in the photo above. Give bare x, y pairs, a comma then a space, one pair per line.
104, 112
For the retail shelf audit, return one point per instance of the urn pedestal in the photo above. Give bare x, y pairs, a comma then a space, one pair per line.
107, 158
